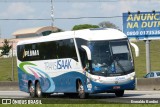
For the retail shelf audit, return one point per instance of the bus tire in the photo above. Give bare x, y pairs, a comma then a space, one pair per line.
46, 95
31, 90
38, 90
71, 95
119, 93
80, 90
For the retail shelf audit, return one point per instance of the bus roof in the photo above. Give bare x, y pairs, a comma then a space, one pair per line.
87, 34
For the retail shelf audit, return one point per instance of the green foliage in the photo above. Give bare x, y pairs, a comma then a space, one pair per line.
108, 24
6, 48
84, 26
104, 24
6, 69
140, 62
58, 30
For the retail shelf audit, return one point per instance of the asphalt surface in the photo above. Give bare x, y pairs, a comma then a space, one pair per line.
143, 97
127, 94
129, 97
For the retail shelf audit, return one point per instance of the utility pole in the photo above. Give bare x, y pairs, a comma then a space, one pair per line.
52, 13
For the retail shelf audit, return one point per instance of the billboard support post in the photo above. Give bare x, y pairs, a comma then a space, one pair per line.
148, 64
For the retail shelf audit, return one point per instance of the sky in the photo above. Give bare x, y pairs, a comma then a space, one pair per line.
42, 10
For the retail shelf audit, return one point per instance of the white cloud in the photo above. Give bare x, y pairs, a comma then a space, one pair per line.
17, 9
78, 6
117, 8
74, 10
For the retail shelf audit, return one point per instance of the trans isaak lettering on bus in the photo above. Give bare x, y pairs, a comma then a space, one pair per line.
58, 64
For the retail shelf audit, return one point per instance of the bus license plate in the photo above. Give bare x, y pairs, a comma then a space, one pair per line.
116, 87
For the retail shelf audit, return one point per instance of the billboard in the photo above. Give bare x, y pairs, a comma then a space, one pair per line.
142, 25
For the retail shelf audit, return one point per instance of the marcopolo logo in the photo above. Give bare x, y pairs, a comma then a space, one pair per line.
30, 53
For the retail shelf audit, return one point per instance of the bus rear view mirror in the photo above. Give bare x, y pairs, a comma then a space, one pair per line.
136, 49
87, 51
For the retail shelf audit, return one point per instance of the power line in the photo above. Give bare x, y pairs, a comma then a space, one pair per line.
73, 0
59, 18
59, 0
90, 17
23, 19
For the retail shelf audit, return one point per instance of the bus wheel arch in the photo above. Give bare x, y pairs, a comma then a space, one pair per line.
80, 89
31, 89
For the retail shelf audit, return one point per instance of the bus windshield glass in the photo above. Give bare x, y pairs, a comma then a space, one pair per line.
111, 58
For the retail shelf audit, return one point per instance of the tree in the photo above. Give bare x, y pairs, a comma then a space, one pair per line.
84, 26
107, 24
6, 48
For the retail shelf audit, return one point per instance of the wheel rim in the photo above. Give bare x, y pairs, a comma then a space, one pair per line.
31, 91
80, 89
38, 90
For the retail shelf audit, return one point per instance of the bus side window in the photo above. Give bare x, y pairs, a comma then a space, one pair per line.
83, 57
20, 52
82, 52
66, 49
42, 51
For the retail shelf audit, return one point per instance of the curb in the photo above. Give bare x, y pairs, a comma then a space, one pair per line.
8, 86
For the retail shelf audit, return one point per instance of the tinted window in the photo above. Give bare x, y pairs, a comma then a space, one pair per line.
120, 50
66, 49
28, 52
152, 75
20, 52
82, 52
148, 75
47, 50
158, 73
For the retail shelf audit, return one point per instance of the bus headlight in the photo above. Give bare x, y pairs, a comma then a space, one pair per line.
88, 81
132, 78
89, 85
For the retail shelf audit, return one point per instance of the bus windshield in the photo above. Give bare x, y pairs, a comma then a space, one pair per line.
111, 58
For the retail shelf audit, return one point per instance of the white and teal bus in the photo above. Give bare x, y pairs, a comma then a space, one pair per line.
78, 63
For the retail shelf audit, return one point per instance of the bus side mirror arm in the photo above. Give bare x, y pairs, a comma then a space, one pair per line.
136, 49
87, 51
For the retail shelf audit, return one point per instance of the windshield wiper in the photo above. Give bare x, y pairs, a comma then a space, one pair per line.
120, 66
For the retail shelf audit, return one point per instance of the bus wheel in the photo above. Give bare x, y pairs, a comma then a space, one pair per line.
38, 90
81, 92
119, 93
32, 90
